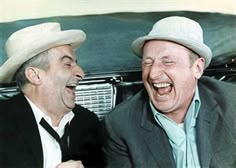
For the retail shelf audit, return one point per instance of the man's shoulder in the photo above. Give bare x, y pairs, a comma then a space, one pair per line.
82, 113
84, 120
220, 93
131, 107
212, 80
12, 102
217, 87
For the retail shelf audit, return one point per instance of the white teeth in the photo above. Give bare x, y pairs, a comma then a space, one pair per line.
72, 85
161, 85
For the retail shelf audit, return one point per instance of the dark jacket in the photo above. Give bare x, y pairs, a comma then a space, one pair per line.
20, 144
136, 140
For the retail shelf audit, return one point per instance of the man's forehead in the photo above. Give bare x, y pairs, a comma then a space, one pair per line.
63, 52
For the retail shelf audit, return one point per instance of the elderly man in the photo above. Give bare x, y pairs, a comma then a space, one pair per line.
180, 119
42, 127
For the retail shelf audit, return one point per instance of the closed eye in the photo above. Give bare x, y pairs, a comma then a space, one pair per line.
68, 64
168, 62
147, 62
67, 61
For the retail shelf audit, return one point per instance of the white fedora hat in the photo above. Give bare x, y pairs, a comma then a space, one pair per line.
30, 41
178, 29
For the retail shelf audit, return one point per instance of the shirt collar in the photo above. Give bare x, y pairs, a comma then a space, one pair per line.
192, 113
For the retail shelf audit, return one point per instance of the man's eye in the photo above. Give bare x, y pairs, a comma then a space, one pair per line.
168, 62
68, 65
147, 63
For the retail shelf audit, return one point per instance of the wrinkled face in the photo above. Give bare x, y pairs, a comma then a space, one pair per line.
168, 75
62, 77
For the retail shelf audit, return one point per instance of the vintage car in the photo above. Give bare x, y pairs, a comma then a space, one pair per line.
113, 72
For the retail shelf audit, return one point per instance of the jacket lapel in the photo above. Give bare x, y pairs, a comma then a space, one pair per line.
212, 133
156, 140
27, 127
205, 127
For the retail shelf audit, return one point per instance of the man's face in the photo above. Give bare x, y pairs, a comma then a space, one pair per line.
168, 75
62, 77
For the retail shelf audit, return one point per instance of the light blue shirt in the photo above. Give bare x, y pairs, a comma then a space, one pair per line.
182, 137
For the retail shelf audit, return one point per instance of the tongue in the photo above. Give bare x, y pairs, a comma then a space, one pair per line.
164, 90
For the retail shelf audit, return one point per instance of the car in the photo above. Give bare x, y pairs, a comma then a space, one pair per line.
113, 72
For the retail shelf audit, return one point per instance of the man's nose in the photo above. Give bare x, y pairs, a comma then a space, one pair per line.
78, 72
156, 70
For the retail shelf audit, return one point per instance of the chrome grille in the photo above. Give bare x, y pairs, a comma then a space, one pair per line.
7, 92
98, 98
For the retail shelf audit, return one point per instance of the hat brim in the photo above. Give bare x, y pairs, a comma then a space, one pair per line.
36, 46
201, 49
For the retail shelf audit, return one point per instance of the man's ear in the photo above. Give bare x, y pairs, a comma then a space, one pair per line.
33, 75
198, 67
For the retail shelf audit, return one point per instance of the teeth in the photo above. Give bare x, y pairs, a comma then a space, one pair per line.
72, 85
161, 85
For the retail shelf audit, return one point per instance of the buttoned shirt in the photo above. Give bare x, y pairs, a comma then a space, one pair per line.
182, 137
51, 148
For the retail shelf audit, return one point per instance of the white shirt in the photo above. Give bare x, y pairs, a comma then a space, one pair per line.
51, 148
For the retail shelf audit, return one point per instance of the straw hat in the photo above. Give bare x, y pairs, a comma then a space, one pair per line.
30, 41
178, 29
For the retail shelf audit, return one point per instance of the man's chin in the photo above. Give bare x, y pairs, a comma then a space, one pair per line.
70, 106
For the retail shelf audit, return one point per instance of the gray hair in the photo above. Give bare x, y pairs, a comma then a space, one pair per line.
41, 61
193, 57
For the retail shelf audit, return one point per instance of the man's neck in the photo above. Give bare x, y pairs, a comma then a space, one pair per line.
55, 114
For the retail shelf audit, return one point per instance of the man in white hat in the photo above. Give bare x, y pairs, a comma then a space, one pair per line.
180, 119
42, 127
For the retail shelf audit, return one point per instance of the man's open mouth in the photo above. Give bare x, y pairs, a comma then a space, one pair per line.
163, 88
71, 88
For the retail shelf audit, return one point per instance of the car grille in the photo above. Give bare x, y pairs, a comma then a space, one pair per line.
98, 98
